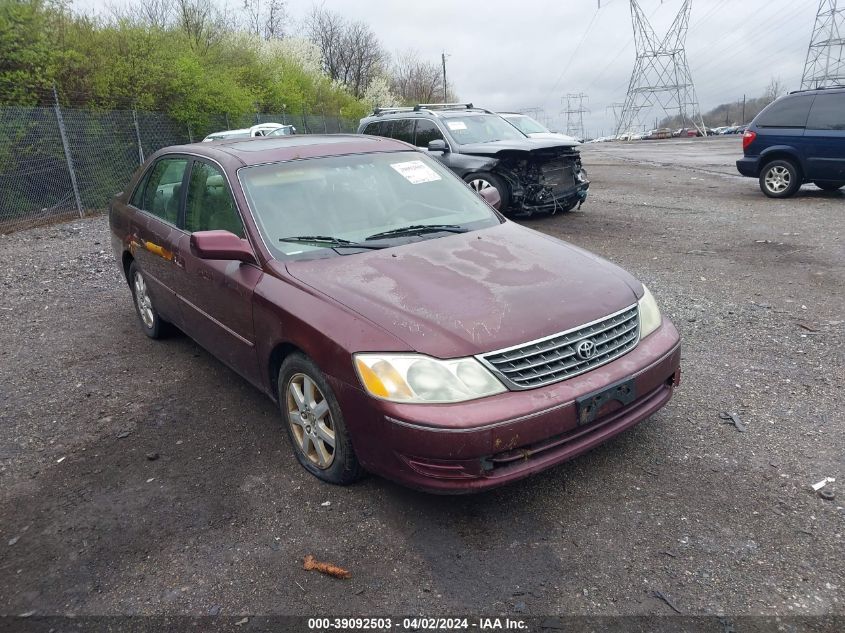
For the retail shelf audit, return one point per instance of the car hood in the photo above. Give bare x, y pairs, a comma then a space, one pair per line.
474, 292
531, 145
554, 136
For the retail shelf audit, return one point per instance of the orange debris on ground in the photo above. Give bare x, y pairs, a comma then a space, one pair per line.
326, 568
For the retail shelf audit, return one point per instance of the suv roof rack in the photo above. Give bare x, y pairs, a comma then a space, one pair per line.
838, 87
443, 106
378, 111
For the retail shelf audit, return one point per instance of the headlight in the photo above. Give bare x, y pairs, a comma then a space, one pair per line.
418, 378
649, 314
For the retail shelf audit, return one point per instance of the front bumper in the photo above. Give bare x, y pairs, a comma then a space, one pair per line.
488, 442
560, 201
748, 166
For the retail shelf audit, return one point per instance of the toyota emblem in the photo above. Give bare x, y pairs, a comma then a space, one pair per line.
585, 349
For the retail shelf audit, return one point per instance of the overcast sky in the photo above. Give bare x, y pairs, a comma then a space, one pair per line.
514, 54
510, 54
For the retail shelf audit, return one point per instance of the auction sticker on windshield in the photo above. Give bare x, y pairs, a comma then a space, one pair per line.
456, 125
416, 172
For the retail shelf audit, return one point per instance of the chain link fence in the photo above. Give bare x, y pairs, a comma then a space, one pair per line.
58, 163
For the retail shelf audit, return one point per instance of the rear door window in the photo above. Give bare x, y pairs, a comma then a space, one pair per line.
791, 111
376, 128
828, 112
427, 131
162, 189
403, 130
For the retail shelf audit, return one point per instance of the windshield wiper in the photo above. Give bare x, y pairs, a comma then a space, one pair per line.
418, 229
331, 242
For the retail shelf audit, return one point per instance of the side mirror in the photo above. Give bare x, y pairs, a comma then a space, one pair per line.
221, 245
438, 145
491, 195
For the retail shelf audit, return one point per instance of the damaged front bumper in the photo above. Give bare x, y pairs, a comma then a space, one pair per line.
492, 441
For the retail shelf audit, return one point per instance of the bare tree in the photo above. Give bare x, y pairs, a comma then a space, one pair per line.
202, 22
155, 13
350, 51
274, 22
415, 80
774, 90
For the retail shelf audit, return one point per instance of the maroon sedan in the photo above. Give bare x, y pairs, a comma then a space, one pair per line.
403, 326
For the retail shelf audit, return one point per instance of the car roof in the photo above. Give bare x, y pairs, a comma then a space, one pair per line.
240, 152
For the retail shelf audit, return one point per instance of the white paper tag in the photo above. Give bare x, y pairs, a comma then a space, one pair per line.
456, 125
416, 172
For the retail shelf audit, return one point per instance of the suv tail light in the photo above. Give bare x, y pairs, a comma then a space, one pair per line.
748, 139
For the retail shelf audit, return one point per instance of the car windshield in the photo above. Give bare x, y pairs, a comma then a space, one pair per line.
484, 128
526, 124
282, 131
352, 198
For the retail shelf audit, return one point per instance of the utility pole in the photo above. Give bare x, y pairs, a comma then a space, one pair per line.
443, 57
743, 109
661, 76
825, 64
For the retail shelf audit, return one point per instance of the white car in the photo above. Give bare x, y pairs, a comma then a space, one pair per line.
534, 129
262, 129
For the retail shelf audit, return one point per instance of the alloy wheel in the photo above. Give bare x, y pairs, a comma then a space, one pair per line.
478, 184
310, 420
778, 179
143, 301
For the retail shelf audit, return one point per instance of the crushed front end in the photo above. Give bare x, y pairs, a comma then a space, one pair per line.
549, 181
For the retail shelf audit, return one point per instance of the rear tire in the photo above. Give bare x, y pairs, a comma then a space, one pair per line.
483, 179
829, 186
148, 318
314, 422
780, 179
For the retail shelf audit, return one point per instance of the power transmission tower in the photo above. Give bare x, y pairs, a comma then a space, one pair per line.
661, 76
616, 109
825, 65
574, 112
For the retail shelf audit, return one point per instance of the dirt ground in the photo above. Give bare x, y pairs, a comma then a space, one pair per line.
716, 520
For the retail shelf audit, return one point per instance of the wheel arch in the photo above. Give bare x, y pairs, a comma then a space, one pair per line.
781, 153
126, 262
274, 362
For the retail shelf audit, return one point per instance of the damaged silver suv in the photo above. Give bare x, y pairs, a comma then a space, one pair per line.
531, 175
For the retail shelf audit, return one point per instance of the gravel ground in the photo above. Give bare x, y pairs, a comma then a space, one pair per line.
718, 521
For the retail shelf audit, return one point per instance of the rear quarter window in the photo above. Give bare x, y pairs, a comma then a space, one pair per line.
377, 128
828, 112
790, 111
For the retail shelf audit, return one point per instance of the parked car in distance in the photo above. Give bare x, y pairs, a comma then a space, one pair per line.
659, 133
686, 133
533, 128
402, 325
531, 175
796, 139
263, 129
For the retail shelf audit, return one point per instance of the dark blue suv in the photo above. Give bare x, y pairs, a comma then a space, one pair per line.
798, 138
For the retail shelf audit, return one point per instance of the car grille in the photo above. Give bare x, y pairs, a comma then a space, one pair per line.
555, 358
559, 175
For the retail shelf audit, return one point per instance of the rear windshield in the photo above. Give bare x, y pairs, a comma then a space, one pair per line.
526, 124
790, 111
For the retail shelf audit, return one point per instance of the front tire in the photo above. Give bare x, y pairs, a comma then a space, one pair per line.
829, 186
151, 323
483, 180
780, 179
314, 422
